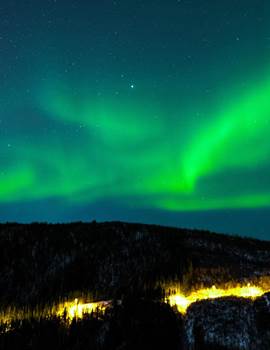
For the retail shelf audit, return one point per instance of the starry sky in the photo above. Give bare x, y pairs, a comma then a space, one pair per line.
149, 111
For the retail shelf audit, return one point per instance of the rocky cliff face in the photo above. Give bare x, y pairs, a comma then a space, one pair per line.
229, 323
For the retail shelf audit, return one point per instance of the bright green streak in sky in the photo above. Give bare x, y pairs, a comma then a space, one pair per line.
16, 183
237, 138
124, 148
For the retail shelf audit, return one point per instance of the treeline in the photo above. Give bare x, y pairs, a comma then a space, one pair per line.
136, 325
143, 324
42, 263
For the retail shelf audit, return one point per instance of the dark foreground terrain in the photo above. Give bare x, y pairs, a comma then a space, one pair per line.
40, 264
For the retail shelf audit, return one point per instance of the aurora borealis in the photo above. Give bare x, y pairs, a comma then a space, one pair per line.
155, 111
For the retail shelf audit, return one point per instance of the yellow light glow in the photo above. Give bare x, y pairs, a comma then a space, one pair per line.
77, 309
182, 302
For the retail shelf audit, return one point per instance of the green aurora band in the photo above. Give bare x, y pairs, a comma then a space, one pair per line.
122, 150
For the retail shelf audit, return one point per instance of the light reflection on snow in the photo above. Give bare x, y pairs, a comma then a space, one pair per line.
182, 301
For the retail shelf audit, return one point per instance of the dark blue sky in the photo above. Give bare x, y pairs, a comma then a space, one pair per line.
146, 111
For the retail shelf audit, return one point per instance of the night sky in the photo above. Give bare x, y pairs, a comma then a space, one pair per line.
154, 111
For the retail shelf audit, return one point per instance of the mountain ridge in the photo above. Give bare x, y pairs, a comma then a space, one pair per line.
42, 264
